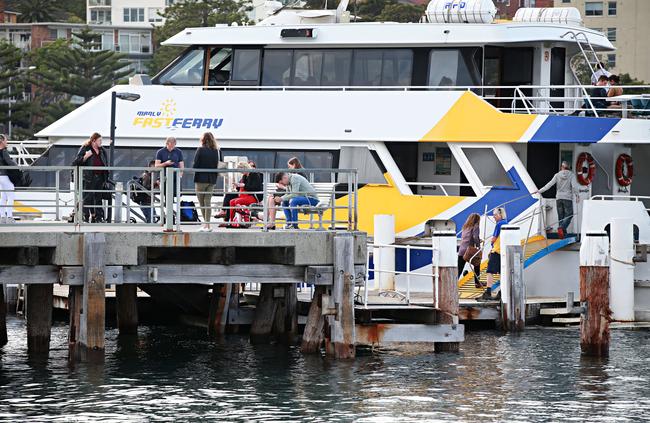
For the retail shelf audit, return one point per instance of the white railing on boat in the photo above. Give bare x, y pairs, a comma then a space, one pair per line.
525, 99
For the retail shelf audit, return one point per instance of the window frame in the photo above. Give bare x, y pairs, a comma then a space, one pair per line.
609, 8
602, 9
246, 82
156, 79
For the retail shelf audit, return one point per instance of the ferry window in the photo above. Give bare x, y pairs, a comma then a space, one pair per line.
455, 67
367, 68
219, 66
369, 169
307, 67
188, 70
336, 67
487, 166
309, 160
277, 68
396, 69
246, 66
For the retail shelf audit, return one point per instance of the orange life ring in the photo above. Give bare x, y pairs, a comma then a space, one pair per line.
624, 170
585, 168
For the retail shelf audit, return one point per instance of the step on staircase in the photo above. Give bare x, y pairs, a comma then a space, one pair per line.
536, 248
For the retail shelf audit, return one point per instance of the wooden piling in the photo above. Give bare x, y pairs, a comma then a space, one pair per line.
340, 329
39, 318
126, 296
264, 318
75, 302
218, 312
594, 295
285, 326
312, 337
3, 317
513, 308
92, 315
445, 284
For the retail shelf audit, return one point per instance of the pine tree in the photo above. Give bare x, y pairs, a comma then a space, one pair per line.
193, 13
12, 85
79, 68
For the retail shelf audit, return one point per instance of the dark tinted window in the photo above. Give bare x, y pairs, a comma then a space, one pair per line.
277, 67
246, 66
455, 67
307, 67
188, 70
367, 68
336, 67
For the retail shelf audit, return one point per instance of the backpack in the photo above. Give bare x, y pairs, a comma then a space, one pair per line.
188, 212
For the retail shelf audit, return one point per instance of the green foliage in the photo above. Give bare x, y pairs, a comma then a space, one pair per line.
193, 13
78, 68
370, 10
36, 10
401, 12
12, 85
627, 79
49, 10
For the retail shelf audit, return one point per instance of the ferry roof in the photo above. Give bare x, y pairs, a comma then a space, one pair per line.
390, 34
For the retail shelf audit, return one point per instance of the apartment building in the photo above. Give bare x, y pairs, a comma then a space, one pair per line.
626, 24
126, 13
506, 9
135, 43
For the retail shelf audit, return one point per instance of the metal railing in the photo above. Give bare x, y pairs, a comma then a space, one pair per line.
525, 99
88, 195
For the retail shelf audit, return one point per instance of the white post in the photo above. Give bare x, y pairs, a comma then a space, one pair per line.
621, 269
384, 262
445, 277
117, 205
510, 235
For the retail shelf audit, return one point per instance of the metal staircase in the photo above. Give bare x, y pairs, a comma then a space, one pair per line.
535, 249
591, 58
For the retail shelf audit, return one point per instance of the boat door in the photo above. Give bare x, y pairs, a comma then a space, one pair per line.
507, 66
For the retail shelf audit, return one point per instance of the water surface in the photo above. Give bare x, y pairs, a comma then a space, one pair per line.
176, 373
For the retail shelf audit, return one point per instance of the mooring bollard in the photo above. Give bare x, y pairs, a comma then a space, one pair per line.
445, 283
513, 310
384, 258
510, 236
621, 269
594, 294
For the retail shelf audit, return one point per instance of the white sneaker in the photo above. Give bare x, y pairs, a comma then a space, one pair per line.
204, 229
3, 220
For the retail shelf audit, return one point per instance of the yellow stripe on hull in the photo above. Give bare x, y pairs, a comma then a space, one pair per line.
472, 119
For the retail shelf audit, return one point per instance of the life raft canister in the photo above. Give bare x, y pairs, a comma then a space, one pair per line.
586, 168
624, 170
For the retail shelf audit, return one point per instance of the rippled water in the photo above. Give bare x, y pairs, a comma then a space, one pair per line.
175, 373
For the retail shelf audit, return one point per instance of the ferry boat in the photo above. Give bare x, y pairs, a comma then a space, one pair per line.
455, 115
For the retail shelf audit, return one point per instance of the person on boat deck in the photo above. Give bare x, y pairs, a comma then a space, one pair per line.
598, 97
250, 188
6, 186
470, 241
207, 156
92, 154
595, 77
614, 90
567, 189
300, 193
494, 259
171, 156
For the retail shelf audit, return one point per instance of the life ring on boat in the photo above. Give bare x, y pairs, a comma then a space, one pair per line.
585, 168
624, 170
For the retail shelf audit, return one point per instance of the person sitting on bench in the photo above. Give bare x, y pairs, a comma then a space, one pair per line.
300, 193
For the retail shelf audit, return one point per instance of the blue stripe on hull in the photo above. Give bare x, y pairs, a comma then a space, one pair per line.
573, 129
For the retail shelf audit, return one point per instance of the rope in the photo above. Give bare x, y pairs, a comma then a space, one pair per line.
629, 263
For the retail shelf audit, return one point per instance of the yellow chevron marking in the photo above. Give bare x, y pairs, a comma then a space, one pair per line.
472, 119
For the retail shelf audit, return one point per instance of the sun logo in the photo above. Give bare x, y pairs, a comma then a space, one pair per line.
168, 108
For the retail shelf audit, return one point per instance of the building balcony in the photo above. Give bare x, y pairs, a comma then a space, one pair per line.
99, 3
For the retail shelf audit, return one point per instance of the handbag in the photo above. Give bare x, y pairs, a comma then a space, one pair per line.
473, 255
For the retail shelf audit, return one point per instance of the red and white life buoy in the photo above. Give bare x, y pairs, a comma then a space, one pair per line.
585, 168
624, 170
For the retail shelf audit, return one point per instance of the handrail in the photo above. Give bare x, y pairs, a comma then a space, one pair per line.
115, 197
